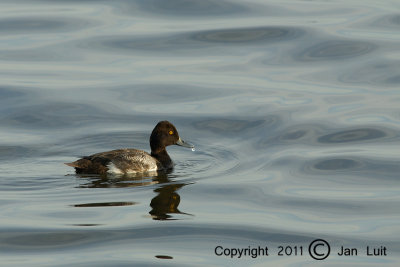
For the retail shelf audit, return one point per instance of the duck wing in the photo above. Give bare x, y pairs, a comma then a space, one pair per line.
116, 161
133, 161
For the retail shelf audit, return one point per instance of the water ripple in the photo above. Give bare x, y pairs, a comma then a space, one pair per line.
248, 35
337, 164
296, 135
335, 50
387, 20
168, 93
373, 167
360, 134
188, 8
227, 126
195, 40
32, 25
377, 73
49, 240
104, 204
48, 114
321, 134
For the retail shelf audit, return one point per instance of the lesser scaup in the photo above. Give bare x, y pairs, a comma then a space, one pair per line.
129, 160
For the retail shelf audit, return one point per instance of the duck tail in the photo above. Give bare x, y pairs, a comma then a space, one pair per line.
74, 164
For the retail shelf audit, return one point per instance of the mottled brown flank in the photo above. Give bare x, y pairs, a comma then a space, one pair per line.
127, 160
133, 160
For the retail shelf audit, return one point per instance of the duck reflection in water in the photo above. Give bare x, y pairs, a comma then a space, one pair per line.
163, 206
166, 201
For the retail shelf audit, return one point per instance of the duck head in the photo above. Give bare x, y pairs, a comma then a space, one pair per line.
165, 134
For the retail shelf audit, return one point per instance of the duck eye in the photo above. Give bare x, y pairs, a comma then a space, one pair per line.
171, 132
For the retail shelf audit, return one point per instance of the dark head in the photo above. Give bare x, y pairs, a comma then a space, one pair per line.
165, 134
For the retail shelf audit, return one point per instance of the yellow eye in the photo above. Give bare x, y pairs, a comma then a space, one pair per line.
171, 132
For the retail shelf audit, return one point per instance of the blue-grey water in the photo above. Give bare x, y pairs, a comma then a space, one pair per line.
293, 107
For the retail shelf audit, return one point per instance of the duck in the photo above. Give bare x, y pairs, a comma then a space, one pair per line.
134, 161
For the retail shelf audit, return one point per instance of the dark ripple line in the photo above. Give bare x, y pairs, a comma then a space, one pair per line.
377, 168
361, 166
192, 7
104, 204
23, 25
337, 164
381, 73
391, 21
361, 134
246, 35
335, 49
196, 40
316, 134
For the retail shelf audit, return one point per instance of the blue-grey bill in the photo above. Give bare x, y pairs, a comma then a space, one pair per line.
180, 142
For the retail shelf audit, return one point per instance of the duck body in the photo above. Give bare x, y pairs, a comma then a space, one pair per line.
119, 161
132, 161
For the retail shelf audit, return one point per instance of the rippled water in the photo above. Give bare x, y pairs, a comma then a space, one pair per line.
293, 107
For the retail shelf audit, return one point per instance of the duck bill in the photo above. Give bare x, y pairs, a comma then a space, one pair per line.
180, 142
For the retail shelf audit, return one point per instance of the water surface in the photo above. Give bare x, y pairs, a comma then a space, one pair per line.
293, 107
